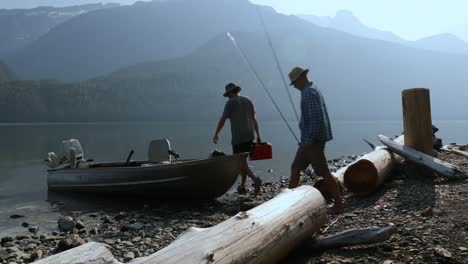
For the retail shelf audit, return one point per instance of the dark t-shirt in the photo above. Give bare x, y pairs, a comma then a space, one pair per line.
240, 110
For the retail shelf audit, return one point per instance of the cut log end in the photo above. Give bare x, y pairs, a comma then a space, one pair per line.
361, 177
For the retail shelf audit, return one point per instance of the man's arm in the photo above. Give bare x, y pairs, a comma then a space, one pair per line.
221, 122
257, 130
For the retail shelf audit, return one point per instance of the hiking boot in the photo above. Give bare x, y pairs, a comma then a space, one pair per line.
241, 190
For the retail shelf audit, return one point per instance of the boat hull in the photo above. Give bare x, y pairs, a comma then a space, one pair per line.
196, 179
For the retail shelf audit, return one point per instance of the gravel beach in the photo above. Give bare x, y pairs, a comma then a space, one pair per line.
431, 216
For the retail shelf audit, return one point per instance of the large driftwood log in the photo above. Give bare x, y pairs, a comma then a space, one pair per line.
455, 150
441, 167
353, 237
367, 173
265, 234
90, 253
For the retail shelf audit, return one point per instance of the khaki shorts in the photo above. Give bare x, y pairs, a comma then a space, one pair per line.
314, 156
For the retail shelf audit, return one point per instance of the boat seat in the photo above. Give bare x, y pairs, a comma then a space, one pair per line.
159, 151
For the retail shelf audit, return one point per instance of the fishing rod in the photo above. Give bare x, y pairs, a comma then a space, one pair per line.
260, 82
278, 65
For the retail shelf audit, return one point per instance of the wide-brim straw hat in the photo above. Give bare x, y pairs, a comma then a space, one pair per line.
231, 87
296, 73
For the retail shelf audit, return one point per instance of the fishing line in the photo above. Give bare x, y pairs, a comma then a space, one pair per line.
260, 82
278, 65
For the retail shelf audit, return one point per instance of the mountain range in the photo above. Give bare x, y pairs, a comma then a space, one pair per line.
21, 27
6, 74
102, 41
345, 21
361, 78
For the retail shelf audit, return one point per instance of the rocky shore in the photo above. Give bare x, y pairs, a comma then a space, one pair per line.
431, 216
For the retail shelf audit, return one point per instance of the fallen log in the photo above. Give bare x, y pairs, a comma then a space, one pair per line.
456, 151
89, 253
265, 234
367, 173
441, 167
353, 237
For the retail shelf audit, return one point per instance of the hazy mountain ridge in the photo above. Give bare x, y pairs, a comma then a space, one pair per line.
6, 74
127, 35
345, 21
21, 27
361, 78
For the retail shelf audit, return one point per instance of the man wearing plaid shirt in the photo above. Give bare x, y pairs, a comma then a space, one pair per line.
315, 132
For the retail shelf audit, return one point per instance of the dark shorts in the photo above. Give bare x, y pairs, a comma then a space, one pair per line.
241, 148
314, 156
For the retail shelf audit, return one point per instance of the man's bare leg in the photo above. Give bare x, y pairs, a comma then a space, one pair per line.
334, 189
241, 189
295, 178
252, 176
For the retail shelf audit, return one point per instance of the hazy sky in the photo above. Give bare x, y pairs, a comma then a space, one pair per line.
410, 19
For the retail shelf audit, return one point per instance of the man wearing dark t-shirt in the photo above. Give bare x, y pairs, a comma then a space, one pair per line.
241, 113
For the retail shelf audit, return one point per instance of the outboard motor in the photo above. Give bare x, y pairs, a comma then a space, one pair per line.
78, 150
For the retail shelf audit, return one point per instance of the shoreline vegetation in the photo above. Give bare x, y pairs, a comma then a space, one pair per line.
428, 213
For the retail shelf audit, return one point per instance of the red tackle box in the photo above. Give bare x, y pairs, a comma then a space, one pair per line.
261, 151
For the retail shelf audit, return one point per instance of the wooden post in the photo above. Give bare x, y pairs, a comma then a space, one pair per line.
417, 121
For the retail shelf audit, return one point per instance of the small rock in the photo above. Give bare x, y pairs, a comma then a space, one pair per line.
443, 252
121, 216
30, 247
388, 262
8, 244
426, 211
79, 224
68, 243
3, 254
6, 239
136, 239
33, 229
22, 236
463, 248
124, 228
16, 216
93, 231
137, 226
36, 255
12, 250
66, 224
129, 256
25, 224
106, 219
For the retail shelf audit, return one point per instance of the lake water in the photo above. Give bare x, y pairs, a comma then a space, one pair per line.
23, 147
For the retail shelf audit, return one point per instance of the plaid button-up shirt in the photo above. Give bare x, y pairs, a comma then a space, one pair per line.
315, 124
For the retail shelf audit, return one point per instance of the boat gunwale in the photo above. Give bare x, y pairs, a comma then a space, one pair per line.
163, 166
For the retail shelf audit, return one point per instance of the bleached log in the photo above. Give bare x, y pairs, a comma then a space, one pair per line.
89, 253
353, 237
441, 167
455, 150
367, 173
264, 234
